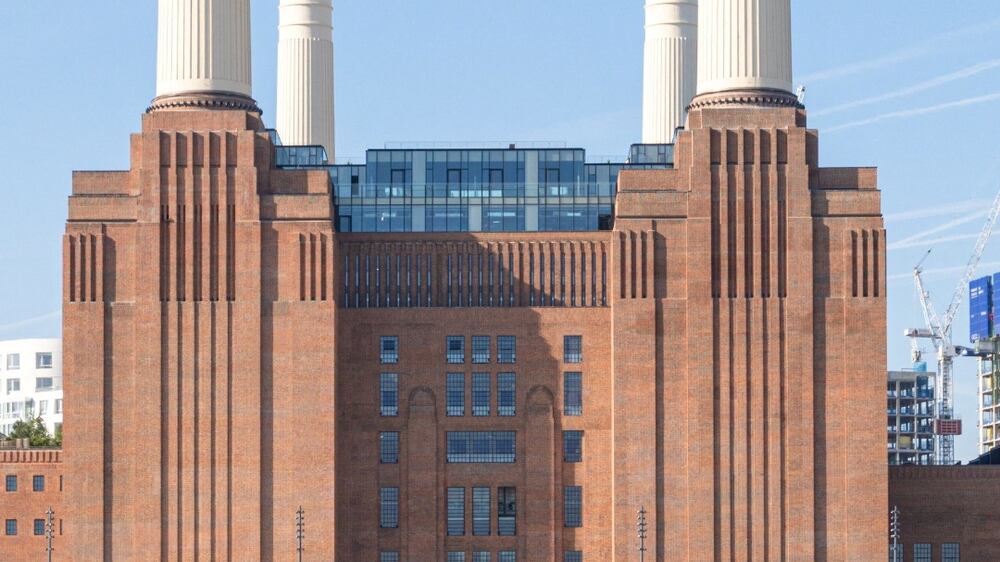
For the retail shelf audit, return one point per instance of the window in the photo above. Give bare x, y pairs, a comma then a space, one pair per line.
389, 394
388, 508
455, 349
481, 556
455, 556
507, 556
506, 349
506, 511
38, 483
573, 349
43, 407
573, 556
480, 394
573, 394
11, 483
388, 447
506, 394
389, 349
11, 527
480, 349
481, 512
572, 446
455, 394
922, 552
573, 506
481, 446
43, 360
456, 512
43, 383
39, 527
950, 552
14, 361
388, 556
59, 406
13, 385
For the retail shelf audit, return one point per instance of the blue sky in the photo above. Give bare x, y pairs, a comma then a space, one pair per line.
906, 85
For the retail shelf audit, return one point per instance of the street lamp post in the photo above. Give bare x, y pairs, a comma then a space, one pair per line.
640, 520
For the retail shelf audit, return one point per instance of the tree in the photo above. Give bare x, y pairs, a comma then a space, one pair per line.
33, 429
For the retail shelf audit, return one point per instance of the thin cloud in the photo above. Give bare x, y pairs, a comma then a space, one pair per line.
925, 46
916, 88
915, 112
30, 321
921, 237
932, 241
937, 211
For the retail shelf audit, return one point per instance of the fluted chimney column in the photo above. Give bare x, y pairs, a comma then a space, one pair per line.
203, 55
670, 63
745, 53
305, 113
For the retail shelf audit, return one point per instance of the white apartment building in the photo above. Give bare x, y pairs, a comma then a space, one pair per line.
31, 379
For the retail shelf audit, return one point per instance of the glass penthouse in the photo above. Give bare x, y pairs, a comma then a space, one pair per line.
474, 189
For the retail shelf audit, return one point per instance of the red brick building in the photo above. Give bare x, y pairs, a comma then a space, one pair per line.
32, 484
715, 356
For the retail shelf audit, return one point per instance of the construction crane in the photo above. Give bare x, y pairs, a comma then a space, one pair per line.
938, 331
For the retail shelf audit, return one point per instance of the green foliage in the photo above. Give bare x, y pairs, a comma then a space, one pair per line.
33, 429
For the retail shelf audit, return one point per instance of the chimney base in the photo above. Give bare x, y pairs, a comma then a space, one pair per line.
202, 101
745, 98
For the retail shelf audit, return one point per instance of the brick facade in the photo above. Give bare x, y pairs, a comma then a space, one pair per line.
26, 505
733, 326
939, 505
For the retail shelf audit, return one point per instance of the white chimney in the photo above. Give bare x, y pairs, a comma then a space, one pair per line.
203, 51
305, 74
669, 71
744, 45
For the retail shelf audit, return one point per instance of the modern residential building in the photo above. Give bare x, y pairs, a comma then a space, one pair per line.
910, 416
983, 331
475, 353
32, 378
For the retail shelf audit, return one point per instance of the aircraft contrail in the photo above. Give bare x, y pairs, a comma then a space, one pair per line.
30, 321
914, 112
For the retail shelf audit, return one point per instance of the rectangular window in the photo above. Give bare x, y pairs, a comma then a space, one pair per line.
480, 349
573, 556
480, 394
506, 394
388, 508
456, 512
573, 506
507, 556
573, 349
573, 446
950, 552
39, 527
481, 446
43, 383
388, 445
13, 385
43, 407
389, 394
922, 552
59, 406
43, 360
573, 394
481, 512
455, 394
506, 349
11, 483
389, 349
456, 556
389, 556
14, 361
38, 483
455, 349
481, 556
11, 527
507, 511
